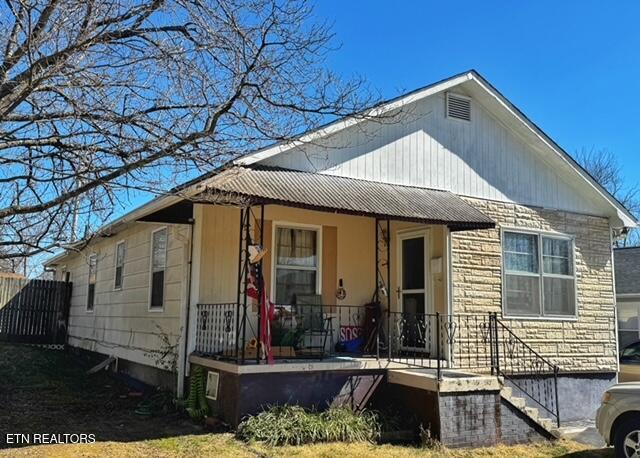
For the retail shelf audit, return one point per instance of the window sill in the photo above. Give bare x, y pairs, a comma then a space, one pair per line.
156, 309
572, 318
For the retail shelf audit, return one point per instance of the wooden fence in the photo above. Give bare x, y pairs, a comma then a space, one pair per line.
34, 311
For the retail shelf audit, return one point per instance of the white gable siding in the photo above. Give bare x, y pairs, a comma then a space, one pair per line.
481, 158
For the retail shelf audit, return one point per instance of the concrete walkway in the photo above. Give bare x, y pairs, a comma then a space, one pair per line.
582, 432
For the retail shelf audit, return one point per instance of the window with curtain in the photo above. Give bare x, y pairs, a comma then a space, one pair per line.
539, 275
117, 284
93, 275
296, 264
158, 267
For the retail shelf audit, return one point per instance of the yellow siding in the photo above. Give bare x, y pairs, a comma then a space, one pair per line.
121, 323
355, 239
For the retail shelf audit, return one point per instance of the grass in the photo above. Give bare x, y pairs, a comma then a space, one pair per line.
47, 391
225, 445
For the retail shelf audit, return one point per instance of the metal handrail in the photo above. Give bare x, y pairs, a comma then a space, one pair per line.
531, 373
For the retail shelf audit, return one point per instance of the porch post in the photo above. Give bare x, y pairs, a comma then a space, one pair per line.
388, 243
260, 285
383, 254
243, 276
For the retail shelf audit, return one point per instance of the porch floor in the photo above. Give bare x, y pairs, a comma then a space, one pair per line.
452, 380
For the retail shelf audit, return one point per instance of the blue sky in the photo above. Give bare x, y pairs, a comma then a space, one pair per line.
572, 66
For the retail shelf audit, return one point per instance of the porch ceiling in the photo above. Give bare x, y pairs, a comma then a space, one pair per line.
267, 185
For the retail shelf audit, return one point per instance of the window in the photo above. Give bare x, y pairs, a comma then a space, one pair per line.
539, 277
158, 266
296, 264
628, 323
93, 274
119, 255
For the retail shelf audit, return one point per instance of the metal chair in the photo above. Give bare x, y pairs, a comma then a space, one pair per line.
314, 324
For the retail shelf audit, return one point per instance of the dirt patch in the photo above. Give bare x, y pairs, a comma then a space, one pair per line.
48, 391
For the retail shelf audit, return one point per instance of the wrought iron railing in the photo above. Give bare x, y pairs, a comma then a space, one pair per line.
297, 331
474, 342
216, 330
525, 369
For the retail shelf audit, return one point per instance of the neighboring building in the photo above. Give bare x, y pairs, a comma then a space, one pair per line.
627, 267
488, 247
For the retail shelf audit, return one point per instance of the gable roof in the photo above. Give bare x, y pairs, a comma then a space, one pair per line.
518, 120
627, 270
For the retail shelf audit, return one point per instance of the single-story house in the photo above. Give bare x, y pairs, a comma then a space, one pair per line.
441, 254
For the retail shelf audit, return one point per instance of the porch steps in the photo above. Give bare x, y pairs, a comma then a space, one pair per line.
533, 413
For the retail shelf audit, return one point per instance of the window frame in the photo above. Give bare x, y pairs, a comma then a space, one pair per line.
164, 279
93, 304
115, 265
540, 234
634, 300
274, 266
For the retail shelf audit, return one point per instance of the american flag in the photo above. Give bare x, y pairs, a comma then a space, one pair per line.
267, 310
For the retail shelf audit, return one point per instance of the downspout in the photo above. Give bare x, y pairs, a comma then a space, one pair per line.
182, 369
615, 300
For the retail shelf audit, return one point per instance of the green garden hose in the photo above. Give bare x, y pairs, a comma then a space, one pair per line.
196, 405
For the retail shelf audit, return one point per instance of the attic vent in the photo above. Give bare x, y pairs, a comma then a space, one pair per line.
458, 107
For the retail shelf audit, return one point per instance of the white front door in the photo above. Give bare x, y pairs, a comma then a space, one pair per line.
413, 292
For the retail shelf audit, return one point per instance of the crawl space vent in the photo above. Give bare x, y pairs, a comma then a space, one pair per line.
458, 107
213, 380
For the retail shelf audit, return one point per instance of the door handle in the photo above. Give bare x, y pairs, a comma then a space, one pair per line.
398, 291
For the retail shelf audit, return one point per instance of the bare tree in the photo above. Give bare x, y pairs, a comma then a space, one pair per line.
604, 167
101, 96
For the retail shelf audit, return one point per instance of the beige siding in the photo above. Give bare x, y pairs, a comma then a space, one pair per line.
587, 343
121, 323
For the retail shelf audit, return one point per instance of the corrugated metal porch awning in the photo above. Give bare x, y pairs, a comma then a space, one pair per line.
266, 185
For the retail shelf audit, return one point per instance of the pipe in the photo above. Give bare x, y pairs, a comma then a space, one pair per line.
182, 369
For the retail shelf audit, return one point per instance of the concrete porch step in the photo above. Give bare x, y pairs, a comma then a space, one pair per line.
533, 413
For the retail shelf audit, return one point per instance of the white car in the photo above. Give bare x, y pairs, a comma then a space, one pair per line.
618, 419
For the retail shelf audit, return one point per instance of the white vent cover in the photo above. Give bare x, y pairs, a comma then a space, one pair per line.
458, 107
213, 381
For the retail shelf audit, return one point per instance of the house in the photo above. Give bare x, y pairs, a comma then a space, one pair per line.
441, 254
627, 272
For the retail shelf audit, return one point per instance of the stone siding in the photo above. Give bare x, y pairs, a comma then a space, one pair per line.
587, 343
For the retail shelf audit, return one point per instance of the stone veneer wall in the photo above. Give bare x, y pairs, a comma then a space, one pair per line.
585, 344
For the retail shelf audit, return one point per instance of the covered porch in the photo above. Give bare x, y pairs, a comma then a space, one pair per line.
354, 269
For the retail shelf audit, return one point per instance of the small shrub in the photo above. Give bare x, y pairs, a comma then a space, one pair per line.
341, 424
293, 425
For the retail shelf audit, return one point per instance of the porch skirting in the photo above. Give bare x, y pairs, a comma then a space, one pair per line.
466, 417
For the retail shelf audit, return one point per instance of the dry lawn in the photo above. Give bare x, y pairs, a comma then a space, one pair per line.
48, 392
222, 445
